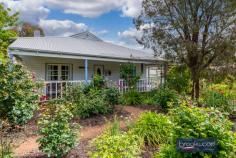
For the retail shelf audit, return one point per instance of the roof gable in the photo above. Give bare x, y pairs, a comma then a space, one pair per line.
86, 35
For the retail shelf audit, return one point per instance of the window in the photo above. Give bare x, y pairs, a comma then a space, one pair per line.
154, 72
58, 72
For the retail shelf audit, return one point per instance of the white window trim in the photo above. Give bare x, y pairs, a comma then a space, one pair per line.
59, 70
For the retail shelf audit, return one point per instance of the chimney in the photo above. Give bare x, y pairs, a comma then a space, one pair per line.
37, 33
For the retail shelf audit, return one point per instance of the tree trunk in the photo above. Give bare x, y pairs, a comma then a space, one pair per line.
196, 85
197, 88
193, 92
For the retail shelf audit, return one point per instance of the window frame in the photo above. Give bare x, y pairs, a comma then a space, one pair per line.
70, 70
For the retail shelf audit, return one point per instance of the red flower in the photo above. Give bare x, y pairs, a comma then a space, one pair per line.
33, 76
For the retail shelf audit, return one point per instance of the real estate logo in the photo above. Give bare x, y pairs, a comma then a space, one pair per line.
197, 145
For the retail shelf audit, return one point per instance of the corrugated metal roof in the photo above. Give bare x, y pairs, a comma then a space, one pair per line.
77, 46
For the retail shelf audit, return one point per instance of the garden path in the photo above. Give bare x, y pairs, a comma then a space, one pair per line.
30, 146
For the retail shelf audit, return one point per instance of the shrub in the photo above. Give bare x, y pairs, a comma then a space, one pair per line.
132, 97
128, 73
148, 101
98, 82
217, 100
57, 135
93, 103
112, 95
113, 143
113, 128
121, 145
223, 88
179, 78
194, 122
147, 98
153, 128
18, 98
167, 151
164, 95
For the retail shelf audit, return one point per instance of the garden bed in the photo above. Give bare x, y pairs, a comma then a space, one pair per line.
90, 128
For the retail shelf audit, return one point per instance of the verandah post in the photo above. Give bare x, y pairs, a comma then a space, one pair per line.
86, 70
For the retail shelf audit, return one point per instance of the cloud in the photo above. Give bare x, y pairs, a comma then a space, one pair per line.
34, 10
130, 34
95, 8
132, 8
30, 11
37, 11
86, 8
61, 27
100, 33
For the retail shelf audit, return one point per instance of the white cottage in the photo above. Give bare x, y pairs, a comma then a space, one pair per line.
76, 59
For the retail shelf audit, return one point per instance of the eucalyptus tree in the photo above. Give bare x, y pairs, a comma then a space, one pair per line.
193, 32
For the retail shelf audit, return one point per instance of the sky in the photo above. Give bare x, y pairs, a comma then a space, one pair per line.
110, 20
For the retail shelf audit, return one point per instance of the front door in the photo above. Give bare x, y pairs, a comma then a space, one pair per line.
99, 70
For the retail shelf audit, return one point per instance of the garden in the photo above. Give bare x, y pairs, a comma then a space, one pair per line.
196, 101
94, 120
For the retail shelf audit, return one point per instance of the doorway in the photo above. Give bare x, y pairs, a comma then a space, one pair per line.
99, 70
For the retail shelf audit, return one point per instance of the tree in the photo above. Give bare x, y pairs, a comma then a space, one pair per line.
7, 20
193, 32
27, 30
18, 94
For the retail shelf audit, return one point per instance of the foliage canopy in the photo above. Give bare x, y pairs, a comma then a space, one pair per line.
7, 20
195, 32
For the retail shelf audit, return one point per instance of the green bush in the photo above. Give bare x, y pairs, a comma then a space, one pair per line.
164, 95
113, 143
132, 97
98, 82
179, 79
18, 95
112, 95
153, 128
194, 122
57, 136
147, 98
121, 145
148, 101
93, 103
217, 100
128, 73
222, 88
168, 151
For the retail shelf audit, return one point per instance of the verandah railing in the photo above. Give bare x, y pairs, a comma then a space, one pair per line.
57, 89
142, 85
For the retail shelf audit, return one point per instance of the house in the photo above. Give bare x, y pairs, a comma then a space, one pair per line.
75, 59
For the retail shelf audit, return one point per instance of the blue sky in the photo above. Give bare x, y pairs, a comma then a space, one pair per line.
111, 20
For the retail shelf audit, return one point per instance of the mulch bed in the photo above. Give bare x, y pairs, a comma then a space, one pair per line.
102, 119
81, 149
